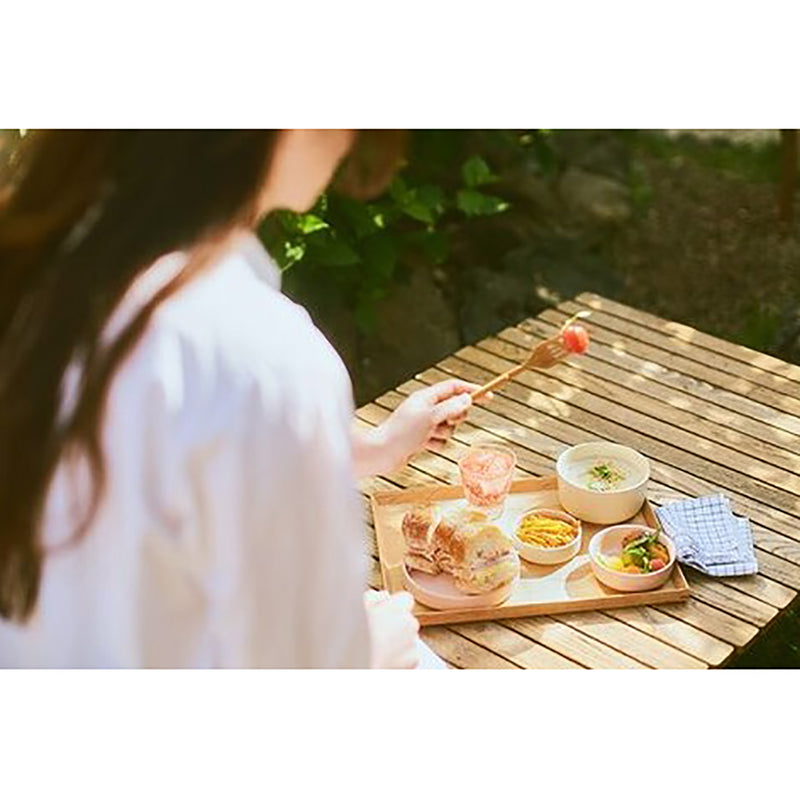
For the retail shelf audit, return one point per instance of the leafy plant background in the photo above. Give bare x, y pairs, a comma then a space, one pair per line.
360, 248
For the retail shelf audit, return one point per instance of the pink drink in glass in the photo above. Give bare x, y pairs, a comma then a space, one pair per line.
486, 474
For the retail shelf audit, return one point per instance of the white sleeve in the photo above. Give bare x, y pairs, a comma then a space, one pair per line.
278, 495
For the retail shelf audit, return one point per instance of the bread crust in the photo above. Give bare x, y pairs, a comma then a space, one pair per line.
416, 527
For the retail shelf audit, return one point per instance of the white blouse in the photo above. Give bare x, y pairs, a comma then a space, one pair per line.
230, 531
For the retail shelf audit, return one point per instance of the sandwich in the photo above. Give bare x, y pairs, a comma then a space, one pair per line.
463, 544
416, 527
484, 558
445, 530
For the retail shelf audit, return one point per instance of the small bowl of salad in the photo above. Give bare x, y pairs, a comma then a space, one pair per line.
631, 558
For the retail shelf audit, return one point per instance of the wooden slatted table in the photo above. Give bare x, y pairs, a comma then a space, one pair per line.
711, 417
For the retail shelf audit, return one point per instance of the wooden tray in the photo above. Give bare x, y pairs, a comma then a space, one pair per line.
541, 589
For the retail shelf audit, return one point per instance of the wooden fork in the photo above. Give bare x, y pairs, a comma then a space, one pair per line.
543, 356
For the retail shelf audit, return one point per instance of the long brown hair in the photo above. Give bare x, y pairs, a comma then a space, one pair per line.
82, 215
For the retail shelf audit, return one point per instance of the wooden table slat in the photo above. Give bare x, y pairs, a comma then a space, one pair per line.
679, 391
751, 358
675, 632
738, 377
572, 643
761, 587
629, 394
780, 569
719, 595
462, 652
617, 352
519, 649
628, 639
713, 621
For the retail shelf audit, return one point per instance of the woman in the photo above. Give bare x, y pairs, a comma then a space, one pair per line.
176, 457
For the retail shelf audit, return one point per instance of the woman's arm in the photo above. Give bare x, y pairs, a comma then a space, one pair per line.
425, 418
369, 451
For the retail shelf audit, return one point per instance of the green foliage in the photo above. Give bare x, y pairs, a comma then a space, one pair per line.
358, 249
476, 204
476, 172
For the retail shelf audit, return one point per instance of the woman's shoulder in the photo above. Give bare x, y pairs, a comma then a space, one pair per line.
236, 310
235, 298
228, 333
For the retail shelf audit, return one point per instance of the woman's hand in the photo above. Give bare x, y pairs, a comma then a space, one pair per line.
393, 630
425, 418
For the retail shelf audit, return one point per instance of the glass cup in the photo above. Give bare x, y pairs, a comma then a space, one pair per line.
486, 473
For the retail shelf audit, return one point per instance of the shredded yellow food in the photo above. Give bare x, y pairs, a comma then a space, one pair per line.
545, 531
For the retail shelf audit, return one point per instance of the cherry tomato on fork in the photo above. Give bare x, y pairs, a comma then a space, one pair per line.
576, 339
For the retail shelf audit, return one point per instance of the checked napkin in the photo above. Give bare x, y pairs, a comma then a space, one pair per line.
709, 536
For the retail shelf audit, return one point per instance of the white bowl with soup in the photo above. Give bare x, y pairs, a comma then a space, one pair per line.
602, 482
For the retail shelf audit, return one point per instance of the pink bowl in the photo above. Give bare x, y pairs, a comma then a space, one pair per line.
439, 591
608, 542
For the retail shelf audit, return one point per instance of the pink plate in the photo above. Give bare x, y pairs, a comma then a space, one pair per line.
439, 591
